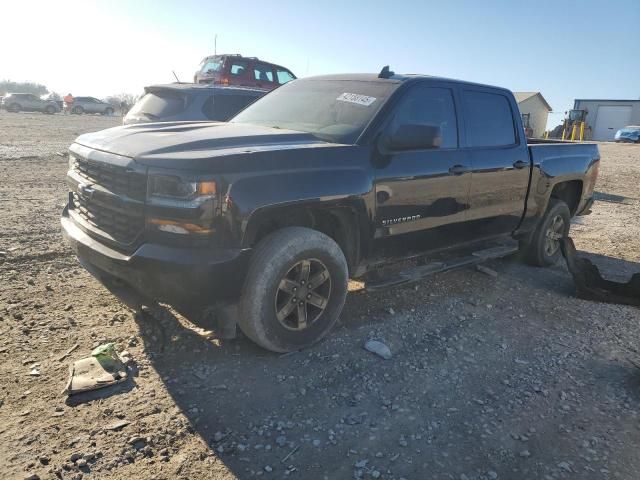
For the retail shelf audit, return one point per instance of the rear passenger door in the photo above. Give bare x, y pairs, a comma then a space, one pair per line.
499, 161
91, 105
263, 75
239, 72
32, 103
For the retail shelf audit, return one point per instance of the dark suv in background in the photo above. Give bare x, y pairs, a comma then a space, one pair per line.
242, 71
28, 102
188, 102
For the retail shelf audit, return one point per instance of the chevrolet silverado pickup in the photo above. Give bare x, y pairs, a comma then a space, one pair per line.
323, 179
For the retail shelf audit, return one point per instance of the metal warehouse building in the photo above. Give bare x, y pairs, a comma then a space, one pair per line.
605, 117
535, 107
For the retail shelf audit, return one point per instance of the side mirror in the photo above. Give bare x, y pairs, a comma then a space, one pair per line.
413, 137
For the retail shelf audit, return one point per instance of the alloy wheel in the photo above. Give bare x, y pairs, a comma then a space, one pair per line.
553, 235
303, 294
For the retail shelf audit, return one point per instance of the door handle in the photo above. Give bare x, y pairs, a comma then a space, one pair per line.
459, 169
520, 164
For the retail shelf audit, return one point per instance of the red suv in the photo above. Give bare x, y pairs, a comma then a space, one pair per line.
244, 71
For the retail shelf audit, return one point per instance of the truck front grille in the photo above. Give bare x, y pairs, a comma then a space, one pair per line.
120, 222
114, 178
108, 199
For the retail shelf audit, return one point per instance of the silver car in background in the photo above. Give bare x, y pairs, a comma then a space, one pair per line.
28, 102
91, 105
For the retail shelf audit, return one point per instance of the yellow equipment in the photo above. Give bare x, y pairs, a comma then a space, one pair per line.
574, 125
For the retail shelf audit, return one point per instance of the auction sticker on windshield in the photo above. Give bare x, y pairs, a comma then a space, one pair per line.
356, 98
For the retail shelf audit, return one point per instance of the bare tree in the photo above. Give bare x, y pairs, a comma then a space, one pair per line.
122, 101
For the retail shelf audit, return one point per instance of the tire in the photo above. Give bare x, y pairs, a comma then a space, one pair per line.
14, 107
50, 109
77, 110
543, 247
277, 270
108, 111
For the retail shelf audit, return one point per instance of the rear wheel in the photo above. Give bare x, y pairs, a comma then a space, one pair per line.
543, 247
14, 107
295, 289
77, 110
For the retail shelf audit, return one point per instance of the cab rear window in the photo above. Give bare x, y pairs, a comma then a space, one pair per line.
159, 104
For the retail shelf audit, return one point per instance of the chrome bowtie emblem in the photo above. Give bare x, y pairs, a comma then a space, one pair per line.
87, 191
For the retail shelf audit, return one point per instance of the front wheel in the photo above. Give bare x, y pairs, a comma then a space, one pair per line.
108, 111
50, 110
295, 289
543, 247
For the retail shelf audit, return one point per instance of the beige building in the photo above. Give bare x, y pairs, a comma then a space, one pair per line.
535, 108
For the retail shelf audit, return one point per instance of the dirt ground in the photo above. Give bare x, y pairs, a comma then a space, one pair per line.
491, 378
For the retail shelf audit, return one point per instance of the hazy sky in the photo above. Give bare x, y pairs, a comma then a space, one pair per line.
565, 49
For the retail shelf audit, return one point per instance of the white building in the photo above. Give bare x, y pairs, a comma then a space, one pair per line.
605, 117
535, 107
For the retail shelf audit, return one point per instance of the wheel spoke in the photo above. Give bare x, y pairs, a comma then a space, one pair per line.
285, 311
318, 279
305, 270
317, 300
302, 315
288, 286
558, 224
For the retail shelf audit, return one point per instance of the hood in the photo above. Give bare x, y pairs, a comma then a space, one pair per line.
149, 143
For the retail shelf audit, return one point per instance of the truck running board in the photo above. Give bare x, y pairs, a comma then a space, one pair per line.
417, 273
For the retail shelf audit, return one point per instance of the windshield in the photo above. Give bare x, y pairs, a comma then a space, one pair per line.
211, 65
333, 110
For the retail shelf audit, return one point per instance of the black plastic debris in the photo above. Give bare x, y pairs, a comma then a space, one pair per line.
590, 285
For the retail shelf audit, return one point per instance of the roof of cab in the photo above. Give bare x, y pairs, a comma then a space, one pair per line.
196, 87
397, 78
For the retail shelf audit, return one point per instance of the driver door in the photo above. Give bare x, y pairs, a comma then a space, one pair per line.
422, 195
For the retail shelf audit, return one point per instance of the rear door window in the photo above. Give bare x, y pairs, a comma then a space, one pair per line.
157, 105
225, 106
488, 119
238, 68
262, 72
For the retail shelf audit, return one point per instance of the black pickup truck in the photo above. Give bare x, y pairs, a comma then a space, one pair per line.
321, 180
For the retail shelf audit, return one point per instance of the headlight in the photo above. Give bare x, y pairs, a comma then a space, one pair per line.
175, 191
173, 187
178, 205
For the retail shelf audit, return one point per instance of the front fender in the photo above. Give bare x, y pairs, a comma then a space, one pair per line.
257, 199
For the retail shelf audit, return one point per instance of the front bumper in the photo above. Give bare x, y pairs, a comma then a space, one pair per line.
180, 276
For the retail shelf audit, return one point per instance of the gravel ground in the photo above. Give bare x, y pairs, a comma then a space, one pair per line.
509, 377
